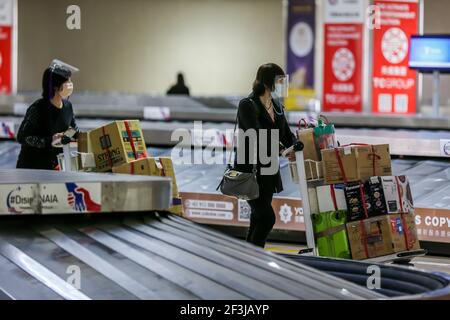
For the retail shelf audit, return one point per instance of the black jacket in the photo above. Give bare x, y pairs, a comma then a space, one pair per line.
253, 115
41, 122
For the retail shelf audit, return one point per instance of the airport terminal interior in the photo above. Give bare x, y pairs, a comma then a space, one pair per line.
118, 122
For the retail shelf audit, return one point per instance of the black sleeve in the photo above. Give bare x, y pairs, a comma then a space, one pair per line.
287, 137
27, 134
247, 115
73, 124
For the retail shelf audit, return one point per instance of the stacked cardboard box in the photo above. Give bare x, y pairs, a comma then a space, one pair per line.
355, 163
378, 207
162, 167
117, 143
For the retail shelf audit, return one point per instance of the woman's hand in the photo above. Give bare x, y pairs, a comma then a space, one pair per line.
291, 156
58, 136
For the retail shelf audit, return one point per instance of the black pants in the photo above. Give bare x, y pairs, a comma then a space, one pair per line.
262, 219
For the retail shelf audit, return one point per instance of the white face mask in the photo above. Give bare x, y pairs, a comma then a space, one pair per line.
281, 87
67, 90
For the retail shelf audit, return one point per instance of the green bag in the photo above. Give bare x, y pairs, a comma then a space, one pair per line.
331, 234
324, 134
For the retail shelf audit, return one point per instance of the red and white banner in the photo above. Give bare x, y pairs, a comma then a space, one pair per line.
394, 85
7, 55
343, 55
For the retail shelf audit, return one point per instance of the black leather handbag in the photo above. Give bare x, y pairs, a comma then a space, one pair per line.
242, 185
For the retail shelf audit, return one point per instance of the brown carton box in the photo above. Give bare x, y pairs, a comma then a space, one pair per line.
117, 143
145, 167
369, 238
359, 162
382, 235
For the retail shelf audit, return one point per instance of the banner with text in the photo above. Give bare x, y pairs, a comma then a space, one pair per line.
394, 85
343, 55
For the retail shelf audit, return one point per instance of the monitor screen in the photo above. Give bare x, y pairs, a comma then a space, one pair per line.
430, 53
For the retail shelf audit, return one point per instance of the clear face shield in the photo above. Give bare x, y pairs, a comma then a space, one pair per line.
66, 71
281, 87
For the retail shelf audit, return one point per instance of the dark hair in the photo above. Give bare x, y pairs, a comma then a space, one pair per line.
265, 78
51, 81
180, 78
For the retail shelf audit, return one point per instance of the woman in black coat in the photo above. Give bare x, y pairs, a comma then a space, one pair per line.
263, 110
47, 119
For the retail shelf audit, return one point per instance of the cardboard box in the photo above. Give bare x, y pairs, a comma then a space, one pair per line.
146, 167
84, 143
162, 167
382, 235
406, 200
374, 188
358, 201
117, 143
325, 197
411, 238
167, 170
358, 163
331, 235
310, 151
390, 192
177, 207
370, 238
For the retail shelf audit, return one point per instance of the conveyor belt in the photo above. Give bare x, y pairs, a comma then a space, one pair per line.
154, 256
402, 142
116, 261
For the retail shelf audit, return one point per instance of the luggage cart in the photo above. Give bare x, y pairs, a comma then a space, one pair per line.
402, 258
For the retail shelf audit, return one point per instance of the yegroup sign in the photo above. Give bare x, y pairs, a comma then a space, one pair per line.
343, 54
394, 85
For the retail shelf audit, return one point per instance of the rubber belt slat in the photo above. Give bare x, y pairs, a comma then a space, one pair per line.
41, 273
97, 263
231, 279
186, 279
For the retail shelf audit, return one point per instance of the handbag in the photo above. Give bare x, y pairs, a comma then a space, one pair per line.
242, 185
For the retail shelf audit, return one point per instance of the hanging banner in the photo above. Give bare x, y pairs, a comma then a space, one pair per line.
343, 55
394, 85
300, 52
6, 45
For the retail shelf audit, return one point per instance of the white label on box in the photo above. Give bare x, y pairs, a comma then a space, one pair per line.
390, 191
7, 129
347, 150
18, 199
156, 113
209, 214
70, 197
445, 147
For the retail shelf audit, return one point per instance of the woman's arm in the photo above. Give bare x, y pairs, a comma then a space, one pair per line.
28, 129
287, 137
247, 115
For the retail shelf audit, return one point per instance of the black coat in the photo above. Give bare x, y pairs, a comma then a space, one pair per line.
35, 134
253, 115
